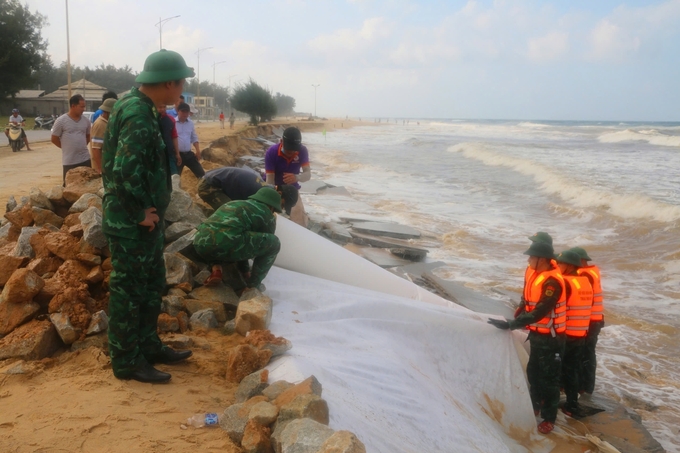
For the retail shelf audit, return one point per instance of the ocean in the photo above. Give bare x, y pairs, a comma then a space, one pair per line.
480, 188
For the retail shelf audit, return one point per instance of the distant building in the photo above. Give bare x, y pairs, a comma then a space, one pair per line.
206, 106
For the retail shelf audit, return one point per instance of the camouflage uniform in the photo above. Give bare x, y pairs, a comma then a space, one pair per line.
237, 232
136, 177
545, 359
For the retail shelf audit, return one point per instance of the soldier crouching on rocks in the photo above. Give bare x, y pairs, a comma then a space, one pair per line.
136, 194
239, 231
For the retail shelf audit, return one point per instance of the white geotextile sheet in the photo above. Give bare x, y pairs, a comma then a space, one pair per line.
403, 375
308, 253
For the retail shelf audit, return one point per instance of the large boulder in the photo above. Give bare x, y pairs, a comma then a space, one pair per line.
79, 181
253, 314
310, 386
40, 200
219, 293
196, 305
42, 266
342, 442
9, 264
62, 245
86, 201
244, 360
43, 217
65, 329
203, 320
21, 216
251, 385
301, 436
177, 230
256, 438
23, 247
177, 271
180, 201
305, 406
22, 286
32, 341
91, 219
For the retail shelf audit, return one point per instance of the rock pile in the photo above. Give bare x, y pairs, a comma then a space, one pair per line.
54, 274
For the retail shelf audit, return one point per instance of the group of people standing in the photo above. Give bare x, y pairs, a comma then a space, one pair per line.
562, 307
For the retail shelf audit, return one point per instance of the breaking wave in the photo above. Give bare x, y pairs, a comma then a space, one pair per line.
580, 195
651, 136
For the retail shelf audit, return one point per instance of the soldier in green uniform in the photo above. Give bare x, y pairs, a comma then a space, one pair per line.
239, 231
545, 315
136, 194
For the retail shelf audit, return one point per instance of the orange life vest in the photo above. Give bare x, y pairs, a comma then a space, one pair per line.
579, 304
593, 274
555, 321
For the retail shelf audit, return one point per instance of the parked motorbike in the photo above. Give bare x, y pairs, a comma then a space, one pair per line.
16, 141
44, 122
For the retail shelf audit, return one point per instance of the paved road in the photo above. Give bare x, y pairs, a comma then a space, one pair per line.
33, 136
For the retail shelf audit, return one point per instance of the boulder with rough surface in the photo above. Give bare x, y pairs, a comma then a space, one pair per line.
32, 341
253, 314
79, 181
91, 219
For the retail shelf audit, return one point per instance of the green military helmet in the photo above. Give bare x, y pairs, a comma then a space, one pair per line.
164, 66
569, 257
268, 196
581, 252
541, 250
541, 236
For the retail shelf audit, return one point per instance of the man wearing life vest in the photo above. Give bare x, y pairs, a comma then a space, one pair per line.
540, 236
579, 302
545, 315
589, 364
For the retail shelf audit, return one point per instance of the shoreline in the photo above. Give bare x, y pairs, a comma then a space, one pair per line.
44, 175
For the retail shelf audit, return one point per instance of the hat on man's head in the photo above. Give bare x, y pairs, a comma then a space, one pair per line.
289, 194
541, 236
541, 250
268, 196
15, 110
183, 107
108, 104
581, 252
164, 66
569, 257
292, 139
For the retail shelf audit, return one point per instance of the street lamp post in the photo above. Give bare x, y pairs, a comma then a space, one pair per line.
229, 90
198, 72
160, 28
214, 84
315, 87
68, 55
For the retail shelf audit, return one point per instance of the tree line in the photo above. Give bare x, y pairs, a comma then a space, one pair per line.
24, 64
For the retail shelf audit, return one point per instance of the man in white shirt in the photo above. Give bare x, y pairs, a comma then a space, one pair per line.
15, 118
71, 133
187, 138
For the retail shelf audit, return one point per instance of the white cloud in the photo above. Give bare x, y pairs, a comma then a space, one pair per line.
347, 40
548, 47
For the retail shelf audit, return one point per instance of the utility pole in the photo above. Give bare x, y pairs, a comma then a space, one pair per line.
68, 55
160, 28
315, 87
229, 90
214, 84
198, 72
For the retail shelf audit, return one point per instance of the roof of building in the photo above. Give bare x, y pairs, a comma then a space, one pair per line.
87, 89
28, 94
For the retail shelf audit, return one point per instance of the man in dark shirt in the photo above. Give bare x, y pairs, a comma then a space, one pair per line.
222, 185
544, 311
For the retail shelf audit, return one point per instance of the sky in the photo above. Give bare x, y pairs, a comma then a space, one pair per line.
476, 59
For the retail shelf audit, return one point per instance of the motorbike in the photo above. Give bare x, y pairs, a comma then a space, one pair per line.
44, 122
16, 141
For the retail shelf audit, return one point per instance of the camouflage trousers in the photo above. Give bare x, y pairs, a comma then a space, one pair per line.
136, 285
589, 363
212, 195
571, 369
544, 373
262, 248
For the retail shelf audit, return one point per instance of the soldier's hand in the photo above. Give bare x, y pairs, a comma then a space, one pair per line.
499, 323
150, 218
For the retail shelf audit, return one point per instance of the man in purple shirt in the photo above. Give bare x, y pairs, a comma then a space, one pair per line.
288, 163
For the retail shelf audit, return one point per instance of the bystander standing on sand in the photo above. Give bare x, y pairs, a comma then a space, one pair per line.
98, 131
71, 133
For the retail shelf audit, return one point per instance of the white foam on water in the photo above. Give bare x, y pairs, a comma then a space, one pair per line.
652, 136
629, 206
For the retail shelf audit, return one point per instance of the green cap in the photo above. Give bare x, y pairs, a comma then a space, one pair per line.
569, 257
268, 196
541, 236
581, 252
164, 66
541, 250
108, 104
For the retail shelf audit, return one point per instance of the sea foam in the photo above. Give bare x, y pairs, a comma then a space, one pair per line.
651, 136
577, 194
